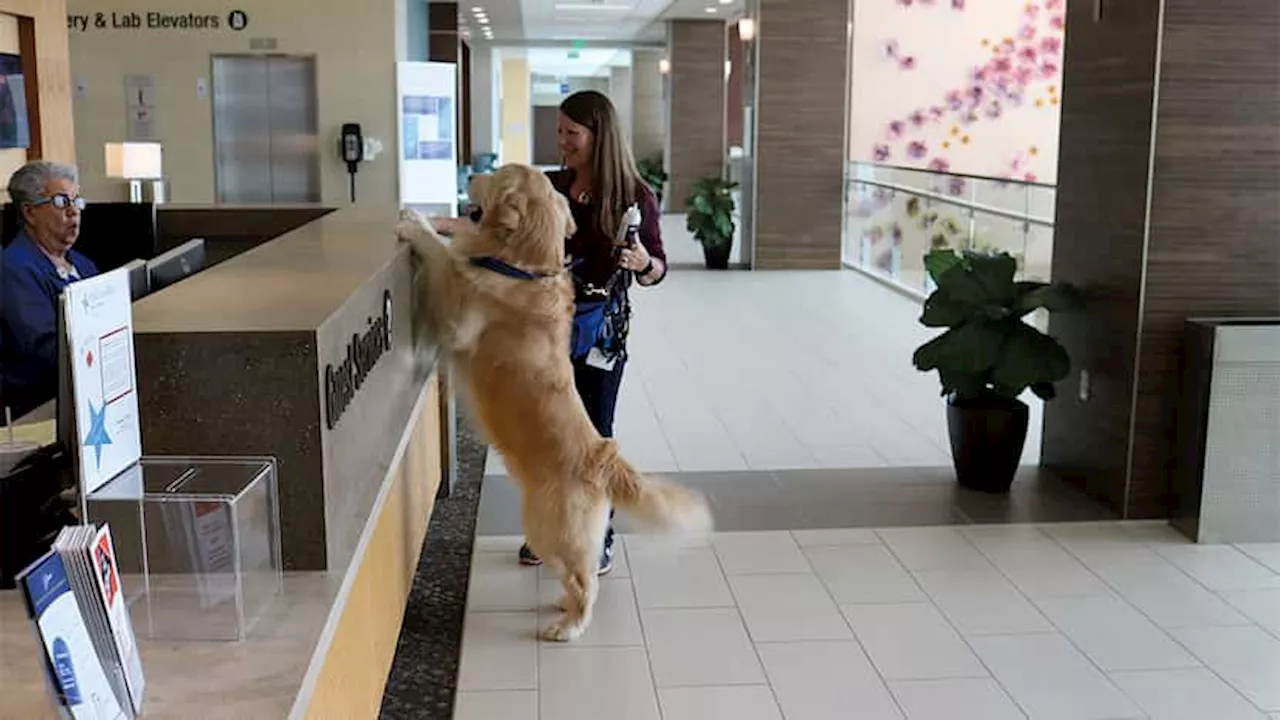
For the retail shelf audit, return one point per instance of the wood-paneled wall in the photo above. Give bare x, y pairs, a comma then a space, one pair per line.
802, 78
42, 30
1206, 147
1214, 243
1099, 235
696, 106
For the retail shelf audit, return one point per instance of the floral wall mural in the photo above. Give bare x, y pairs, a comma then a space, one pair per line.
963, 86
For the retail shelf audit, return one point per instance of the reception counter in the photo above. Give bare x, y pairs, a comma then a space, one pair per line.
301, 348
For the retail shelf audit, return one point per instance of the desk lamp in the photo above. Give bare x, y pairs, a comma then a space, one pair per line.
135, 162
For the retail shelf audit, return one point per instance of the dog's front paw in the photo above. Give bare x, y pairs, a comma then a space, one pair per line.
410, 215
563, 631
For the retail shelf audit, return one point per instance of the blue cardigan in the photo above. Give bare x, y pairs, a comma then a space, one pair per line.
29, 288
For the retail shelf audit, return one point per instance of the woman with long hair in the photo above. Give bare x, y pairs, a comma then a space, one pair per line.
618, 241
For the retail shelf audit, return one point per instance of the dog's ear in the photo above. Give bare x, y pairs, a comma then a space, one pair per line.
506, 202
570, 225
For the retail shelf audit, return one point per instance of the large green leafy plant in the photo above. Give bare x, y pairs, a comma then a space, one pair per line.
710, 211
653, 174
988, 349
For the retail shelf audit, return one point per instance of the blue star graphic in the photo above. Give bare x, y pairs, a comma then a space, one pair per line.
97, 432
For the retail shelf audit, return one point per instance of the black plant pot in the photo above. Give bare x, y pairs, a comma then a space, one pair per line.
987, 436
717, 256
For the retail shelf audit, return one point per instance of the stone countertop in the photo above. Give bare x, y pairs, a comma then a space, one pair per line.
191, 680
292, 283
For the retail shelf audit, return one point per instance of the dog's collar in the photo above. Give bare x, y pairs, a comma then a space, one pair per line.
504, 268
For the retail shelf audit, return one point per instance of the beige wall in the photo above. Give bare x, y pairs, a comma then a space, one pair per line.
648, 106
355, 46
51, 119
516, 111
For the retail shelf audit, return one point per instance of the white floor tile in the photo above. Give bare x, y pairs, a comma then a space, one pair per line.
833, 537
966, 699
1050, 575
826, 681
1169, 596
509, 544
614, 620
499, 652
500, 584
933, 548
504, 705
753, 553
982, 602
688, 578
1051, 680
1221, 567
1260, 606
1266, 553
864, 574
747, 702
1114, 634
1246, 657
700, 647
1195, 694
1103, 544
782, 608
912, 642
586, 683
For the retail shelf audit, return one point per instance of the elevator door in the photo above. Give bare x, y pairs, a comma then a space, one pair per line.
265, 134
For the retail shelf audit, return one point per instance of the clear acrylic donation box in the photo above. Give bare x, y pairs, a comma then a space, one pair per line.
198, 540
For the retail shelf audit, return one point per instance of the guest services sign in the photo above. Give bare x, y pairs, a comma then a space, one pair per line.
163, 21
363, 351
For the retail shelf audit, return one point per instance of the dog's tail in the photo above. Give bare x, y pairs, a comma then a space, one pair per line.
654, 502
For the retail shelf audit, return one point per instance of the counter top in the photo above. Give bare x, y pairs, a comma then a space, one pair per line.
294, 282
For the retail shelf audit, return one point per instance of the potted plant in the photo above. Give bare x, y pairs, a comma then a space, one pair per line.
710, 218
654, 176
988, 356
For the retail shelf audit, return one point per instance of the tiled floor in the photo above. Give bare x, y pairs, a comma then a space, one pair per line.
1085, 621
780, 370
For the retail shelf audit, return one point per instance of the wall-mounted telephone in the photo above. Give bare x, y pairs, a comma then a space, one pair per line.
351, 148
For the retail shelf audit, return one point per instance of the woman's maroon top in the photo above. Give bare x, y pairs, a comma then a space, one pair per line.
591, 247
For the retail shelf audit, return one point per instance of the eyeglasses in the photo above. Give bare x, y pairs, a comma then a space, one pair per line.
62, 201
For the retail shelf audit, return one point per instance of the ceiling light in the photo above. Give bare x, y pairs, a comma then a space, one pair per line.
477, 10
711, 11
746, 29
484, 21
726, 2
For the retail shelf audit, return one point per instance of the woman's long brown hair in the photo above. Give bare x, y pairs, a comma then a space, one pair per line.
614, 177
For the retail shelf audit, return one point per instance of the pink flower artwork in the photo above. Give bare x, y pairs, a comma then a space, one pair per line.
956, 186
1051, 45
917, 150
1058, 22
896, 128
957, 4
1049, 70
917, 118
880, 153
1029, 177
1028, 32
1054, 4
939, 165
1028, 54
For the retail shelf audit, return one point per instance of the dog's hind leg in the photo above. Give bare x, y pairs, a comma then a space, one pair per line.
580, 561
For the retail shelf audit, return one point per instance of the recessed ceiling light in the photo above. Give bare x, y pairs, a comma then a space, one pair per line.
591, 7
726, 2
484, 21
477, 10
711, 11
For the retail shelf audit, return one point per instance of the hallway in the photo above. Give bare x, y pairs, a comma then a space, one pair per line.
780, 371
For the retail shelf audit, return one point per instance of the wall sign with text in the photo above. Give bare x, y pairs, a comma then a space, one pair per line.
165, 21
362, 353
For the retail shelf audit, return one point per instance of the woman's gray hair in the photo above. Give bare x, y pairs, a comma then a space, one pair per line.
28, 183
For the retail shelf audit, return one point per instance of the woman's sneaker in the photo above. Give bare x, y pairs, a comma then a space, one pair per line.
529, 558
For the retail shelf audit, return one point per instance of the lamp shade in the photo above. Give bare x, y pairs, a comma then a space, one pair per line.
134, 161
746, 29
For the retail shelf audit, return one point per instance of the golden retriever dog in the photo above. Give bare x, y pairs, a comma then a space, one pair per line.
508, 338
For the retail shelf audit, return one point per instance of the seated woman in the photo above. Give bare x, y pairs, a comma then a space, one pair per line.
37, 265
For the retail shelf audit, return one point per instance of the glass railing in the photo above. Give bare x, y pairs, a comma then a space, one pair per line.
894, 216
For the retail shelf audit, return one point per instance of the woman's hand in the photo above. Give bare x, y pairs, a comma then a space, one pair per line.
635, 258
446, 226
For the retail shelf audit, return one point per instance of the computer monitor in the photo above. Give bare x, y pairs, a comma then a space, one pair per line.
139, 279
176, 264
